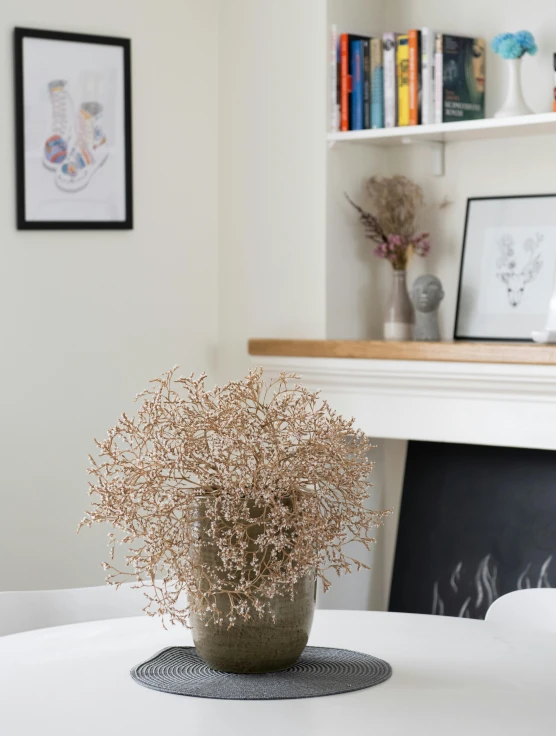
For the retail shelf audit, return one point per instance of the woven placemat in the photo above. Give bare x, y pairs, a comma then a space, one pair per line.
319, 671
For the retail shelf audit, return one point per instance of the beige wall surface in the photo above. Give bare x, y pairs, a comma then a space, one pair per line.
87, 318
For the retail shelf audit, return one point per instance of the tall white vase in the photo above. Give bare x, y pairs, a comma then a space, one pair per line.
514, 104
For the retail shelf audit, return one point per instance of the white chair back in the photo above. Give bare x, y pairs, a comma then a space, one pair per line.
39, 609
533, 608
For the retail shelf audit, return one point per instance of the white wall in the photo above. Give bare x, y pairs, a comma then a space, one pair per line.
370, 589
88, 318
285, 234
272, 173
352, 281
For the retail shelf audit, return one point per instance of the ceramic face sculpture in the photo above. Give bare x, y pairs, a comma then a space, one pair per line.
426, 295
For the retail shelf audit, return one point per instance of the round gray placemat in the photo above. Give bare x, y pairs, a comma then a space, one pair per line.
319, 671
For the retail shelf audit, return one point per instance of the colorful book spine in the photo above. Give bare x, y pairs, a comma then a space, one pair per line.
345, 82
356, 51
427, 76
414, 41
377, 84
402, 68
334, 80
366, 83
438, 78
390, 87
464, 78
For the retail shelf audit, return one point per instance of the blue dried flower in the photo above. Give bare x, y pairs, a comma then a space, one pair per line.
510, 49
497, 40
514, 45
527, 42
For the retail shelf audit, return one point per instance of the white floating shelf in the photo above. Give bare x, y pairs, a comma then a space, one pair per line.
526, 125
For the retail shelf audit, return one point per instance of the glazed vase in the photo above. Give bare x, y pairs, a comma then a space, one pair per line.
514, 104
399, 316
269, 643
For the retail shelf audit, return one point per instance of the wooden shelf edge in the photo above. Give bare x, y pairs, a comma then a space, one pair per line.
455, 352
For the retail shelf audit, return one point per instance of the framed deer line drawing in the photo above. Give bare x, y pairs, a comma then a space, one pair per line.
508, 267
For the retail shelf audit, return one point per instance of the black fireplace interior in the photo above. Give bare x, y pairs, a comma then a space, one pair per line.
475, 522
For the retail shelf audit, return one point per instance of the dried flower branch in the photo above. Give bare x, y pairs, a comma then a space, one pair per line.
277, 477
372, 227
396, 201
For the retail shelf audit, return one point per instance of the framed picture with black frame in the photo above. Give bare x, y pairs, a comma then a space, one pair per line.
508, 267
73, 131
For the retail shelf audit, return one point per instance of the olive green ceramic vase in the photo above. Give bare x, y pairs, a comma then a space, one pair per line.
268, 643
260, 644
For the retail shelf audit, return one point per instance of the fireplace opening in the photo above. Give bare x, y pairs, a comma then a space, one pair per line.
476, 522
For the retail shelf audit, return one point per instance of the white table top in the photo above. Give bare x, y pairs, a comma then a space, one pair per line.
451, 676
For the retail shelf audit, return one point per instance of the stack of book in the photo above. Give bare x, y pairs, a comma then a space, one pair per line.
413, 78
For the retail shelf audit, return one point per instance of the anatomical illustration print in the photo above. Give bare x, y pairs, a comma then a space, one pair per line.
518, 265
517, 271
508, 268
77, 146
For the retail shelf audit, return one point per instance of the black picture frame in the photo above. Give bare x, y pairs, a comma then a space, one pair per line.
23, 223
470, 201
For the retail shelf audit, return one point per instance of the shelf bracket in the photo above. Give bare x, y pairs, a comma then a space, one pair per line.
437, 153
437, 157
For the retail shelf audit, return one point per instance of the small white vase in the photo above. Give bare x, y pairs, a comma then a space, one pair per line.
514, 104
399, 318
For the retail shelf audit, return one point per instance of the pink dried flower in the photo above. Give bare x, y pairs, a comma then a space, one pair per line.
422, 245
395, 201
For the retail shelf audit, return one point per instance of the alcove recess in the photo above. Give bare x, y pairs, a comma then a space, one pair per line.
452, 161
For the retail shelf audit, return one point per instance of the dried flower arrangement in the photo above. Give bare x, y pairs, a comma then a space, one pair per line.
514, 45
218, 454
396, 201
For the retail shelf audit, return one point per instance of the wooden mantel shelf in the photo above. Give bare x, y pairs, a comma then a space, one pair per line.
455, 352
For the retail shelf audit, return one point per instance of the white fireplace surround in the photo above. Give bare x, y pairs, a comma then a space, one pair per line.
478, 403
511, 405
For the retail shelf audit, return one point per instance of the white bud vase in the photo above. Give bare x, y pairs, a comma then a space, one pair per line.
399, 319
515, 104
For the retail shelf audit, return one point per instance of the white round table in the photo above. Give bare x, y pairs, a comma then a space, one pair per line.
451, 676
